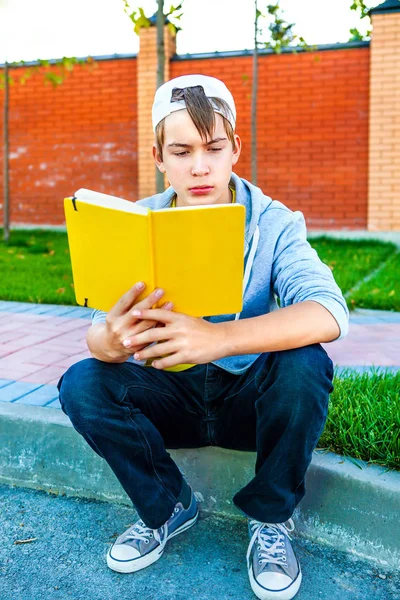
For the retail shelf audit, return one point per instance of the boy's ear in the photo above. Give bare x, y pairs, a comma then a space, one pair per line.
157, 160
237, 150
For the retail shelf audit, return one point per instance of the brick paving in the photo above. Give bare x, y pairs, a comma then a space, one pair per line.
38, 342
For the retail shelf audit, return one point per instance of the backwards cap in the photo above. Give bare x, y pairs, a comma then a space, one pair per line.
164, 104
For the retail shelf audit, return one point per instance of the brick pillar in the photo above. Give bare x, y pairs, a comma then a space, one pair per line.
146, 88
384, 119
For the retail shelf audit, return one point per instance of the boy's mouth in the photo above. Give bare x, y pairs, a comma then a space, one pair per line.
201, 190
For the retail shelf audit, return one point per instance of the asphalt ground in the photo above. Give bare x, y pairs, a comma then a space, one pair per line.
66, 560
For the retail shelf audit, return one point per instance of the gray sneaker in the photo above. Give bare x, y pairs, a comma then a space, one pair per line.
273, 568
140, 546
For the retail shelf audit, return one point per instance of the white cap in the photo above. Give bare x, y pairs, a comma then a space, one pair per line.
213, 88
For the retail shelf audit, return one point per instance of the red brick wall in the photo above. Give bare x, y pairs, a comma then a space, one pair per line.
312, 129
312, 133
79, 134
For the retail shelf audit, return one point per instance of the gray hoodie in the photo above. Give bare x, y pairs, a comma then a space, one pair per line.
279, 263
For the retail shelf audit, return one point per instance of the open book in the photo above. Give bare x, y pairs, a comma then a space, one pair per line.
195, 254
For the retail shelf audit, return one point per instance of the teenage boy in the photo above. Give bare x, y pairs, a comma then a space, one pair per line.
256, 381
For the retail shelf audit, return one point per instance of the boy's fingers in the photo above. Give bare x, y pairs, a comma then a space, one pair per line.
150, 300
147, 303
168, 306
154, 314
128, 299
141, 326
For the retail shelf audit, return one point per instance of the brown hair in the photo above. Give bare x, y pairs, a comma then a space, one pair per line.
202, 112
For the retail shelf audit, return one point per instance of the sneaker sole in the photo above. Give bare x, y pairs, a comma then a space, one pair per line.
286, 594
150, 558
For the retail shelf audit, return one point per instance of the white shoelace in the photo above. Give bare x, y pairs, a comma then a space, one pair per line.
141, 532
270, 540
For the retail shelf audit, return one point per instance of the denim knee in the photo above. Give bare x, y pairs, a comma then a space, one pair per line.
309, 363
302, 376
81, 390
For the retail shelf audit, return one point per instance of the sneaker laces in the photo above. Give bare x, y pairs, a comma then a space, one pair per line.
140, 531
270, 540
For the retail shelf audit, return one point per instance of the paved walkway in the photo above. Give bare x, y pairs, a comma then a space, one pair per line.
38, 342
66, 560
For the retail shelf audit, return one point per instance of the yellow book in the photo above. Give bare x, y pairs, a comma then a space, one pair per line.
195, 254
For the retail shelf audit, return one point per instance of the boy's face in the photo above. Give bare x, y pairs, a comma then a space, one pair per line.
198, 171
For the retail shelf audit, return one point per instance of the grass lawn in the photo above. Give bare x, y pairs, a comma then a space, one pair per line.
383, 290
364, 417
37, 268
350, 261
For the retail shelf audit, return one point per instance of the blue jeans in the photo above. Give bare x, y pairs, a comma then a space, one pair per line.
129, 415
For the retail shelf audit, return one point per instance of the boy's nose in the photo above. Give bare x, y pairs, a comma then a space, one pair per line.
200, 167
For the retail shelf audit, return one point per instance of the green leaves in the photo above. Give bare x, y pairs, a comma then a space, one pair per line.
174, 10
360, 7
53, 78
273, 9
356, 36
2, 80
281, 33
140, 20
53, 72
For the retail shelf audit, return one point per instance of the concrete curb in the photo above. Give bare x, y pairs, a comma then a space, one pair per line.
351, 508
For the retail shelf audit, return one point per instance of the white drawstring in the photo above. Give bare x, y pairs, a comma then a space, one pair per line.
249, 263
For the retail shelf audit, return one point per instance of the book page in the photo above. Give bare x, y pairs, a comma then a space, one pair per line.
91, 197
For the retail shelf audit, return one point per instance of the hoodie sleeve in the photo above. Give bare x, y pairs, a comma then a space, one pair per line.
298, 274
98, 316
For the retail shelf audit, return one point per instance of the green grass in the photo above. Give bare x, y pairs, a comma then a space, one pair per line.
36, 268
382, 291
351, 260
364, 417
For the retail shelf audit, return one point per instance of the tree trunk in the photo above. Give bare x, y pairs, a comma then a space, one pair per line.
160, 72
6, 204
254, 102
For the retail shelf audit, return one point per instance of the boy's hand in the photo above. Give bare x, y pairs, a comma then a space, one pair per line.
182, 340
120, 322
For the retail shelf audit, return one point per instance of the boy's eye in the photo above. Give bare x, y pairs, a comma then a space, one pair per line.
185, 152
